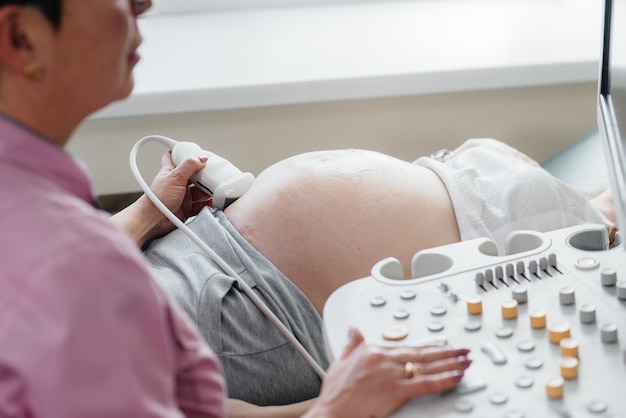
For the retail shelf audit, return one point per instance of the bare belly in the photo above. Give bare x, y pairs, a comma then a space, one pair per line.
326, 218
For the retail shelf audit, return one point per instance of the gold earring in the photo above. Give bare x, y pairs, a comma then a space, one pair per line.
33, 71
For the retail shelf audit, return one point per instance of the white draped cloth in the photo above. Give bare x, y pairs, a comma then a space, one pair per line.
495, 193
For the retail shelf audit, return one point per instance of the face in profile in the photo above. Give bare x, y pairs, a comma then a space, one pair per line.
92, 55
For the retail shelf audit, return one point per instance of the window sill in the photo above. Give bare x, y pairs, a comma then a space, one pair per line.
240, 59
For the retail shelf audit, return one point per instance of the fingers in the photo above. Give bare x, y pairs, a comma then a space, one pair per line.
431, 384
433, 374
428, 369
177, 176
189, 166
355, 339
460, 363
375, 381
437, 352
166, 160
426, 353
430, 359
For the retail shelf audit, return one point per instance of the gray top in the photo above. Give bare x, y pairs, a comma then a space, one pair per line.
260, 365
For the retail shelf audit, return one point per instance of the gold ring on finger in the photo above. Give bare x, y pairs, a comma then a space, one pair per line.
411, 370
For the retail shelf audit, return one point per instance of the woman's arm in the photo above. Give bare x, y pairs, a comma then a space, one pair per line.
143, 221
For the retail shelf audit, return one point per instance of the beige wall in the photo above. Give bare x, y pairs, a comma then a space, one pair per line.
539, 121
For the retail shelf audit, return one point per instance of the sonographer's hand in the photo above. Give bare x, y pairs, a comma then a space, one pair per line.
171, 185
143, 221
372, 381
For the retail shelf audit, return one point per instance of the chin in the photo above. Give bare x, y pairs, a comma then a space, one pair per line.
125, 90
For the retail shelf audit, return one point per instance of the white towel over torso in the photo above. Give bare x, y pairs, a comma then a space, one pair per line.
495, 193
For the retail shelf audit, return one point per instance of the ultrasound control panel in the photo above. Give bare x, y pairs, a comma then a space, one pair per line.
546, 322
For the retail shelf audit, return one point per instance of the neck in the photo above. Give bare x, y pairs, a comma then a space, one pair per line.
29, 128
44, 122
33, 107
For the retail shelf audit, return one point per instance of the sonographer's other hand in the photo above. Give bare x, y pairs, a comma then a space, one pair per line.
143, 221
372, 381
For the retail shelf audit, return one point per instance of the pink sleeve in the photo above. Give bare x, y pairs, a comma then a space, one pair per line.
200, 386
86, 340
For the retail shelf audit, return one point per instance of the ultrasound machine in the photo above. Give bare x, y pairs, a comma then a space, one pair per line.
546, 320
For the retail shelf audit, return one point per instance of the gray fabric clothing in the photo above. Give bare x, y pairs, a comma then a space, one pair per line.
260, 365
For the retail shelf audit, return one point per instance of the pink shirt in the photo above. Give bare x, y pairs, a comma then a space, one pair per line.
84, 330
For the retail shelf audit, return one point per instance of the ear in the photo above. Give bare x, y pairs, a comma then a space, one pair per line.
18, 37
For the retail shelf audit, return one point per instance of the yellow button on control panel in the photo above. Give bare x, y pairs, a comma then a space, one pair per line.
554, 388
538, 319
475, 305
558, 331
569, 347
569, 367
509, 309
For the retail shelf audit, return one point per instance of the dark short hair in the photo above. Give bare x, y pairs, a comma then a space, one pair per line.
50, 8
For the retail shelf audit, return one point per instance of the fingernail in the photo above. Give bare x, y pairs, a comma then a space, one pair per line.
457, 375
464, 361
203, 158
463, 351
350, 333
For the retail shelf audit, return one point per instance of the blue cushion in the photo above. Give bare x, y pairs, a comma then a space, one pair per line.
582, 165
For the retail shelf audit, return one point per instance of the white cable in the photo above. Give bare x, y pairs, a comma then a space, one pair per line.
168, 142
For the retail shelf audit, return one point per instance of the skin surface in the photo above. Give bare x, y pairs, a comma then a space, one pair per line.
72, 74
325, 218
